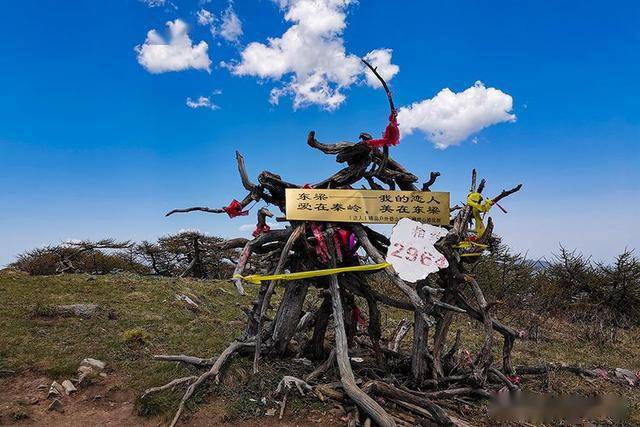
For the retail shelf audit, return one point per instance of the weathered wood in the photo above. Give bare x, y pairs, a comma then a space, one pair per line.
191, 360
170, 385
273, 251
322, 368
315, 347
399, 334
374, 329
417, 302
387, 390
419, 348
214, 372
484, 358
288, 315
284, 256
369, 405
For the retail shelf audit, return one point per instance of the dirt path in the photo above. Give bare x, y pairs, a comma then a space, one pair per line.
23, 401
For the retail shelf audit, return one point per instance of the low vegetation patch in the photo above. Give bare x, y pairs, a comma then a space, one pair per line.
54, 346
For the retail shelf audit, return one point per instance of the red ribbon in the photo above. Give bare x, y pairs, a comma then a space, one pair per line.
261, 229
235, 209
391, 135
515, 379
357, 314
322, 250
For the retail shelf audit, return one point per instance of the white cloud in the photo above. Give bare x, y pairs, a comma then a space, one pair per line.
449, 118
205, 17
157, 55
191, 230
154, 3
251, 227
310, 55
159, 3
231, 27
71, 242
380, 59
202, 102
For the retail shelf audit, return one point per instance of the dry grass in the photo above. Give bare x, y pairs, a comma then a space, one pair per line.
144, 318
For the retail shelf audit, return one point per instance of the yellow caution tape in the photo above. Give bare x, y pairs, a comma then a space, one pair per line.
256, 279
466, 244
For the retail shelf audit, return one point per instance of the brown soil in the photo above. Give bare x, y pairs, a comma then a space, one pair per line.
23, 401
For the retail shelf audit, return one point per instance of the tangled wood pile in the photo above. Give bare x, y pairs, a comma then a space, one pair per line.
414, 386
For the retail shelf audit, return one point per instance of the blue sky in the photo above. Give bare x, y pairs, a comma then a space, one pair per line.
93, 143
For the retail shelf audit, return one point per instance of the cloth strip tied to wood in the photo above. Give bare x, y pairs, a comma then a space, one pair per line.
256, 279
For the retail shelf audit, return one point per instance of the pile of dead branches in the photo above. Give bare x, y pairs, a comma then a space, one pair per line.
415, 386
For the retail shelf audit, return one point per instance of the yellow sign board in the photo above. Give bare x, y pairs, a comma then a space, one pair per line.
372, 206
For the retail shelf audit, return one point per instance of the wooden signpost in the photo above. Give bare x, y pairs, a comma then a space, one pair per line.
367, 206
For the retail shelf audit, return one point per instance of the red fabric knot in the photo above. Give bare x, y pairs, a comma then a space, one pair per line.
322, 250
357, 314
515, 379
391, 135
260, 229
235, 209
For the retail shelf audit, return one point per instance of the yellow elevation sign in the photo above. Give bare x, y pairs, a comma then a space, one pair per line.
373, 206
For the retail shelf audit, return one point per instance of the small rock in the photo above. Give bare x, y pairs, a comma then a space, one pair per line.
78, 310
625, 375
191, 304
83, 373
103, 375
55, 390
68, 387
93, 363
270, 412
56, 405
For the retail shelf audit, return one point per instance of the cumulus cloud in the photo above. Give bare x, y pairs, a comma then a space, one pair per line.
380, 59
205, 17
449, 118
231, 26
158, 55
310, 56
202, 102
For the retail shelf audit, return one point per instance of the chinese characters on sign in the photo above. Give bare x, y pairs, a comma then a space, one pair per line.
411, 252
372, 206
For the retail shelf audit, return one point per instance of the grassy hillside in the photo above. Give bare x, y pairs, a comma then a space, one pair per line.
140, 317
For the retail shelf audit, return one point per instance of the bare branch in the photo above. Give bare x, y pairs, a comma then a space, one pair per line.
195, 208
